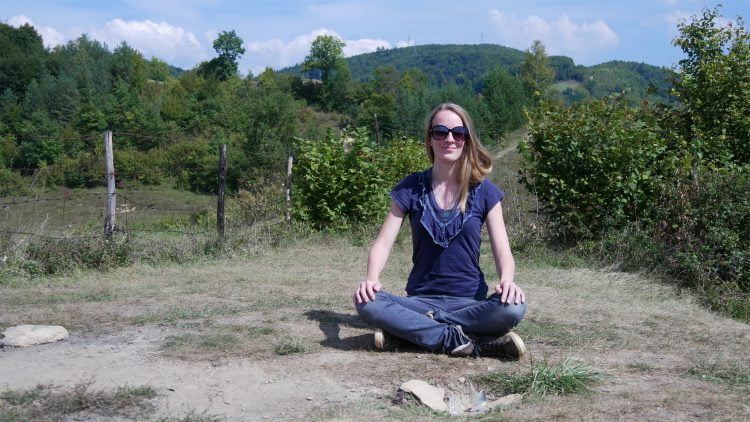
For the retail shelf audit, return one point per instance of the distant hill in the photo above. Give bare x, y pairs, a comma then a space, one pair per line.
453, 63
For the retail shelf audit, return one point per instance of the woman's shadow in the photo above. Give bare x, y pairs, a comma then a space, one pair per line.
330, 324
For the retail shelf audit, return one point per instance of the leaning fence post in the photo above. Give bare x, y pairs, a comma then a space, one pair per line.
221, 191
288, 186
109, 164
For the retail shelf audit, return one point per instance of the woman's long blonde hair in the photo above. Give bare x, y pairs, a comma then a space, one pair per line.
475, 162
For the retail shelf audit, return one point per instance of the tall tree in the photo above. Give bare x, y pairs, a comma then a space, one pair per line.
327, 56
229, 47
715, 87
536, 73
504, 99
22, 57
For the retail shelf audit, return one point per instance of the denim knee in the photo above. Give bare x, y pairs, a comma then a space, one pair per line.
507, 315
371, 310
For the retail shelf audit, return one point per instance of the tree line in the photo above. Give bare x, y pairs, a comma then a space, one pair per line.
55, 103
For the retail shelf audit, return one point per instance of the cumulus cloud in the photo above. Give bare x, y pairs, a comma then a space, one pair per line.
167, 42
277, 53
560, 36
50, 36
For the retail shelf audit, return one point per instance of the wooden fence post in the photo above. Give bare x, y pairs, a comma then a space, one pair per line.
221, 191
288, 186
109, 163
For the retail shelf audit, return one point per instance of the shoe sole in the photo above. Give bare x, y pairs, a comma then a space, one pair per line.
519, 345
379, 339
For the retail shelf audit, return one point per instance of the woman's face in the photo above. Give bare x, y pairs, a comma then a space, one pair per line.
447, 150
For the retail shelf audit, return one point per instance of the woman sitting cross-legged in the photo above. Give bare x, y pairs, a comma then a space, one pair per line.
446, 308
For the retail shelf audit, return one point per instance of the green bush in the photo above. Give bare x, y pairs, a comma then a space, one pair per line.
596, 166
86, 171
11, 184
138, 166
340, 181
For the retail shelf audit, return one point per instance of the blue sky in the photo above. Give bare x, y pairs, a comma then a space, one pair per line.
278, 33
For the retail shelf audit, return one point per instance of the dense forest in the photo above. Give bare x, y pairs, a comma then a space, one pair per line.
468, 64
55, 103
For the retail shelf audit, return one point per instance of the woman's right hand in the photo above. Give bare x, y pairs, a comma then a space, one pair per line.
366, 291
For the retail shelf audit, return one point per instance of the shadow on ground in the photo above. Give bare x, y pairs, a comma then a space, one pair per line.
330, 324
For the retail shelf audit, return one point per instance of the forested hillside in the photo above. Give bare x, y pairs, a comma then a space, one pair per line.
467, 64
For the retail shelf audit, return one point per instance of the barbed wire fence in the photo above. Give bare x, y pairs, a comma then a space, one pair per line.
66, 214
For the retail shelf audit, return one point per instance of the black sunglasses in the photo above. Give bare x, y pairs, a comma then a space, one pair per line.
440, 133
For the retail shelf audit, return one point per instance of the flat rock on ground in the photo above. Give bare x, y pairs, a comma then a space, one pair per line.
29, 335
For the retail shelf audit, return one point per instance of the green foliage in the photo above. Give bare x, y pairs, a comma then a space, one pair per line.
137, 166
229, 47
327, 56
340, 181
290, 347
596, 165
11, 183
715, 87
536, 73
504, 99
22, 57
659, 187
326, 53
635, 81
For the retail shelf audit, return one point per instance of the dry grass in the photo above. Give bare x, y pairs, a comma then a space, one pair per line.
664, 352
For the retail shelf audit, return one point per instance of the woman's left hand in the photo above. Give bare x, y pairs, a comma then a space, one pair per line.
509, 291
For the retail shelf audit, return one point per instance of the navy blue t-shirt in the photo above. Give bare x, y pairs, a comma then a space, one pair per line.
445, 243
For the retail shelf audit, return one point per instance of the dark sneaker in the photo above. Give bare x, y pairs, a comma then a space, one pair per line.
509, 346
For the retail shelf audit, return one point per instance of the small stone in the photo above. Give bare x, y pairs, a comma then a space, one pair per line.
309, 399
461, 380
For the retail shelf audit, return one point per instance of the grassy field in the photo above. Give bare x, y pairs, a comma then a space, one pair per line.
273, 335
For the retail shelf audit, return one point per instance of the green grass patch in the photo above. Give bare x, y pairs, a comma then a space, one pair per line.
545, 378
290, 347
719, 374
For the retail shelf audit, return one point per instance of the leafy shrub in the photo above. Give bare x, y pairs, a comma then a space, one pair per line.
707, 234
137, 166
596, 166
11, 183
339, 181
87, 171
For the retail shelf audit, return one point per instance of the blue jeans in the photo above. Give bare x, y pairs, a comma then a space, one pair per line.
430, 321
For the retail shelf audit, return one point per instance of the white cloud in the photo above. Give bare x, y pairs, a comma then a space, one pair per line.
561, 36
277, 53
50, 36
169, 43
